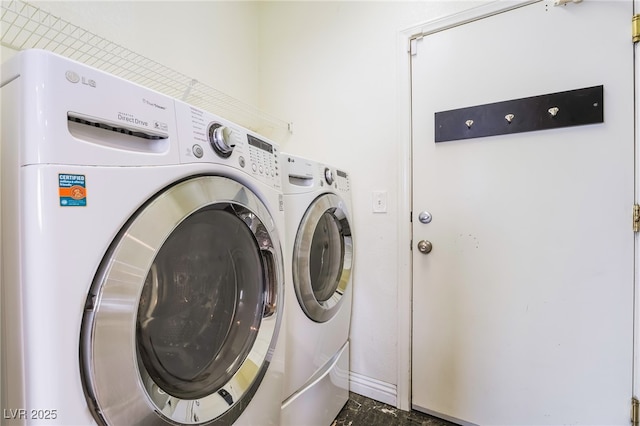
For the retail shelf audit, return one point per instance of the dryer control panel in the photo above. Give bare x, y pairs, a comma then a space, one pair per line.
335, 178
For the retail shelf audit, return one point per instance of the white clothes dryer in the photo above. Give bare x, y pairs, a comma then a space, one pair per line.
142, 272
319, 255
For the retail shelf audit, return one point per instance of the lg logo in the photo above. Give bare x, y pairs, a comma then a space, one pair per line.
75, 78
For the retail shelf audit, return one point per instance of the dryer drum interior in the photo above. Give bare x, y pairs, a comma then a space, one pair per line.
323, 257
183, 314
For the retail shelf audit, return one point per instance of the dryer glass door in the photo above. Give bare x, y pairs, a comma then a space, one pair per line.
323, 257
184, 313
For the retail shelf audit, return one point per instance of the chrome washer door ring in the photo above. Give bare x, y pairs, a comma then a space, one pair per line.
144, 356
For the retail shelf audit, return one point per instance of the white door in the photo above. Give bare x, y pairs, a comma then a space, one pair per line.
523, 310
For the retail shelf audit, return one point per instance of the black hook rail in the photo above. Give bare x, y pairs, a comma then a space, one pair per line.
562, 109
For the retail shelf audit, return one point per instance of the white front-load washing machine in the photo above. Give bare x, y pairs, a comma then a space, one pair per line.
319, 257
142, 272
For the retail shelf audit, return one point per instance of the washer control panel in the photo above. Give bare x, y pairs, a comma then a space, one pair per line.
258, 157
207, 138
262, 156
342, 181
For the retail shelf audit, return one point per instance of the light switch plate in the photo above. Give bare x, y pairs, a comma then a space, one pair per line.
379, 201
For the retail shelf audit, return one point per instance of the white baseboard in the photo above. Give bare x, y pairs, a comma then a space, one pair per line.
373, 388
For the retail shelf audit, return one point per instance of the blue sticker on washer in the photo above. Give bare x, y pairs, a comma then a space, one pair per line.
72, 190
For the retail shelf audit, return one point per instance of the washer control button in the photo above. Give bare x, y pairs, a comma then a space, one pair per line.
254, 167
197, 151
241, 161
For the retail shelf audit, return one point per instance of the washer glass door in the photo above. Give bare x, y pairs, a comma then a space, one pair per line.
184, 314
323, 255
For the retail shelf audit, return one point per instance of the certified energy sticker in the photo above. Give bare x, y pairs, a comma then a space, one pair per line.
72, 190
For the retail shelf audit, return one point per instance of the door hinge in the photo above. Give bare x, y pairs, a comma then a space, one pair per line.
635, 411
635, 28
636, 218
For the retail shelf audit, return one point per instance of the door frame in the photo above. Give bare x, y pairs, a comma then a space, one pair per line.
404, 200
635, 381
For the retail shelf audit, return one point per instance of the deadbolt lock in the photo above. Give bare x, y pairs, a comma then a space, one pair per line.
425, 217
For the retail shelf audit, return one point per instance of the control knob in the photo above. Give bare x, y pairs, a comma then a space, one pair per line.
328, 176
220, 139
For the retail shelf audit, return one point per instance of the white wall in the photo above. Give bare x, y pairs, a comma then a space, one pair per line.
331, 68
213, 41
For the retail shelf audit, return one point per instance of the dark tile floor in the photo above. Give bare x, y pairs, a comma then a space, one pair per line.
362, 411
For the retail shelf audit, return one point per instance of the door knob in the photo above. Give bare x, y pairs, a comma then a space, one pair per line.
425, 247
